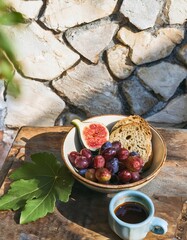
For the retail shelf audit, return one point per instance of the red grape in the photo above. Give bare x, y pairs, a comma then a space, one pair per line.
103, 175
81, 162
124, 176
109, 153
135, 176
72, 156
98, 161
136, 155
140, 160
90, 174
133, 164
87, 153
122, 154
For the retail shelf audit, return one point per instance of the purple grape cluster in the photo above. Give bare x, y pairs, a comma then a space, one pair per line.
111, 164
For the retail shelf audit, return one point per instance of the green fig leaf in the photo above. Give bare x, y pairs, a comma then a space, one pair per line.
37, 208
43, 165
15, 199
36, 186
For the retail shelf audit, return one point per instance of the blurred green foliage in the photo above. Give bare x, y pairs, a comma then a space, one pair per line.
7, 57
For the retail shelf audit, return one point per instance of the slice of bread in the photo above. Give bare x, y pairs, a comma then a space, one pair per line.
134, 119
135, 137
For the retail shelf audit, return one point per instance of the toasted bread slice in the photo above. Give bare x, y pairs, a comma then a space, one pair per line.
134, 137
134, 119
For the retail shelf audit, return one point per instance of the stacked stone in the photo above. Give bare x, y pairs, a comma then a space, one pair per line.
90, 57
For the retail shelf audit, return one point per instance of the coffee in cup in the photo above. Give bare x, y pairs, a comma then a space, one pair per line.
131, 216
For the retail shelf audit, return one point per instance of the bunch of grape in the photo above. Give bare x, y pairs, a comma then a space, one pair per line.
112, 164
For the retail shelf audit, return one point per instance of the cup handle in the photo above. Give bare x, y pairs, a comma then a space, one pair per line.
159, 226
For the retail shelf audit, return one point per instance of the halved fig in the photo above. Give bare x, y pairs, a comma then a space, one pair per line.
92, 134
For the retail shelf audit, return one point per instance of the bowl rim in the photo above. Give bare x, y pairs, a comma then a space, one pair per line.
114, 186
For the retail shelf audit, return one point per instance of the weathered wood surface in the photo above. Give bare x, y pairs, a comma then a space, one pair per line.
84, 217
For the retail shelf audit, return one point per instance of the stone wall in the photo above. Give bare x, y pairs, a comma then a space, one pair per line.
80, 58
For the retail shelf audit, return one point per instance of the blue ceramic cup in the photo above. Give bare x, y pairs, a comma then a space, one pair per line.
135, 231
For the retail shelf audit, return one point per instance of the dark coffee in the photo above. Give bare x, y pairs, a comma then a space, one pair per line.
131, 212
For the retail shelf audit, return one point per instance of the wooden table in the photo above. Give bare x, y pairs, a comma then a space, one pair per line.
84, 217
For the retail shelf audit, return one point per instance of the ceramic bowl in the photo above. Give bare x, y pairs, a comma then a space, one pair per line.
72, 143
